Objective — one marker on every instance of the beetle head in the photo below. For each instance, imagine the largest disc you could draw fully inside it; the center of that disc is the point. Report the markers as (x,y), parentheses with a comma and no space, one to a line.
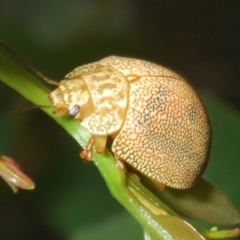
(72,98)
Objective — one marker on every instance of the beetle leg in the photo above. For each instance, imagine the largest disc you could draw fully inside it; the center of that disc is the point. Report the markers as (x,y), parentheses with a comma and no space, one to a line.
(87,152)
(160,186)
(100,143)
(121,163)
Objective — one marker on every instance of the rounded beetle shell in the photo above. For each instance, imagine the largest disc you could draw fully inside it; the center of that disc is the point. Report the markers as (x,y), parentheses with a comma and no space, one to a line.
(160,125)
(166,134)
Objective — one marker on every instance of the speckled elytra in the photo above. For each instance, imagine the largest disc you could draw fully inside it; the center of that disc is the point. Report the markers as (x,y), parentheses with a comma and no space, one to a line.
(159,124)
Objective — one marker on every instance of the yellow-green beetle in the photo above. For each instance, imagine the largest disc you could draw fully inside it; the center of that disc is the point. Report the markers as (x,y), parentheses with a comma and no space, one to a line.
(159,125)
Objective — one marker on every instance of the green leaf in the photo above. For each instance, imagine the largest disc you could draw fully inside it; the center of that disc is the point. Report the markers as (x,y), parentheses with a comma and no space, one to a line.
(180,229)
(203,202)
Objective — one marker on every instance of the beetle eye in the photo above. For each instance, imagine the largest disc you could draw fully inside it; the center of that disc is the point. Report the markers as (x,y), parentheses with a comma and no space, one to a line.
(74,111)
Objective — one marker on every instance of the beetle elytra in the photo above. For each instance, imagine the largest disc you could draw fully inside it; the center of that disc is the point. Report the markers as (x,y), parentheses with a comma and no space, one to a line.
(159,124)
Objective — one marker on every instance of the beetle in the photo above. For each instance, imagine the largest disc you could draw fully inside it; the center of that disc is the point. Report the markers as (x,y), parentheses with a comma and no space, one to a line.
(158,122)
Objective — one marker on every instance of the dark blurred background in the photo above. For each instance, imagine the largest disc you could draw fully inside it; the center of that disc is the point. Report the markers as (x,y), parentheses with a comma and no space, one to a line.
(198,39)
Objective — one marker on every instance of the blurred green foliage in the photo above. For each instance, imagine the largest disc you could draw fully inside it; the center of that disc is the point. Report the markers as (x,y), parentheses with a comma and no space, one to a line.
(71,200)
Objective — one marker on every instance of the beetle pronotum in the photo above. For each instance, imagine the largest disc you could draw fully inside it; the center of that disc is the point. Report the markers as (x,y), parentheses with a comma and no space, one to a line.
(159,124)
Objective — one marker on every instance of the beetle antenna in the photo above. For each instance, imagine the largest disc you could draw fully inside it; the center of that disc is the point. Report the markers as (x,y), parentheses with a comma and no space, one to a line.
(31,107)
(50,81)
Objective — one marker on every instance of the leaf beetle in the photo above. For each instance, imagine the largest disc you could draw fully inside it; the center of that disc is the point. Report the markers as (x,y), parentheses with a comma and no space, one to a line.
(158,122)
